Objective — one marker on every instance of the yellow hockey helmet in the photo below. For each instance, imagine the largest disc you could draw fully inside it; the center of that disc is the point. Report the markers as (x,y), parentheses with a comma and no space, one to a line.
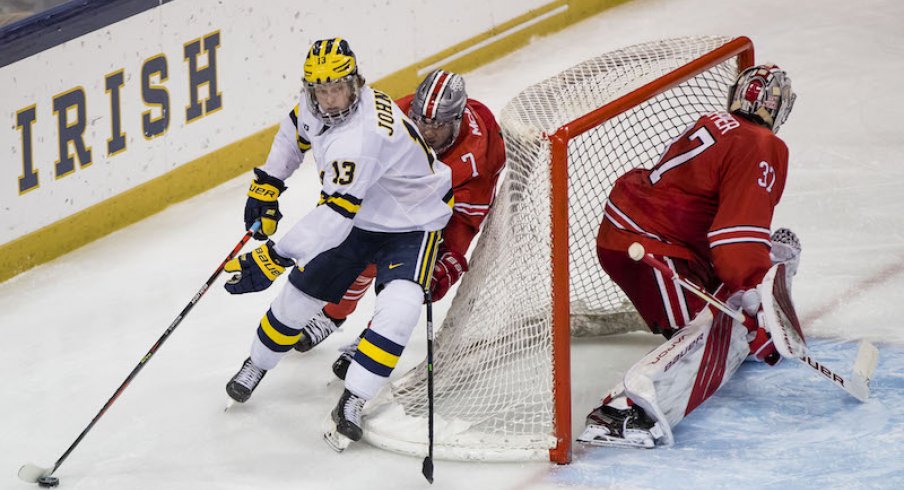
(331,80)
(329,60)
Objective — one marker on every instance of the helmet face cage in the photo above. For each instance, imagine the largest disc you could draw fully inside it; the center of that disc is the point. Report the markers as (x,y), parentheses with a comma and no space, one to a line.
(439,101)
(333,118)
(763,93)
(331,62)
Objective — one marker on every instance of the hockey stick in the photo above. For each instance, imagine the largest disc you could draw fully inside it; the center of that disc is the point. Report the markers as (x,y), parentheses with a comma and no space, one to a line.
(427,468)
(43,476)
(867,355)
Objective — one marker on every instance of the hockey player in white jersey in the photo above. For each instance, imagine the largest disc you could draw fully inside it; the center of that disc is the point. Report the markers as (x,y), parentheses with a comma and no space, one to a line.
(384,200)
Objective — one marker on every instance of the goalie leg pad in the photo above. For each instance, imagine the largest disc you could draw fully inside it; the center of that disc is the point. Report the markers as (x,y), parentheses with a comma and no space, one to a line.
(675,378)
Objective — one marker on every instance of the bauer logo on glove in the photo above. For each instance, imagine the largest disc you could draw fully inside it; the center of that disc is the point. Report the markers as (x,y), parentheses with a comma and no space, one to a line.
(256,270)
(263,204)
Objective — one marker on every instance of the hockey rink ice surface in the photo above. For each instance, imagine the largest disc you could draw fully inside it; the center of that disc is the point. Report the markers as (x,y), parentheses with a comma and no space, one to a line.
(75,327)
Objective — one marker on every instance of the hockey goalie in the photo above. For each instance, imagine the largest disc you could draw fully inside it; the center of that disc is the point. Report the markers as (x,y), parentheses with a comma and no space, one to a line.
(705,210)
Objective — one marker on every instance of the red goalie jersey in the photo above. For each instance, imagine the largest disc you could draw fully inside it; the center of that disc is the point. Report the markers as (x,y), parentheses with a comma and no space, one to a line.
(476,159)
(709,200)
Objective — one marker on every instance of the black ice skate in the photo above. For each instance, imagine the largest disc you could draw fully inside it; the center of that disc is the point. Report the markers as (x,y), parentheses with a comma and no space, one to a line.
(319,328)
(341,364)
(611,427)
(245,381)
(344,424)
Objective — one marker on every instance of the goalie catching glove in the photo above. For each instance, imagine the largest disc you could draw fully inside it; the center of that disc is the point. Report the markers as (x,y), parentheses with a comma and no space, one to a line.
(262,203)
(448,270)
(256,270)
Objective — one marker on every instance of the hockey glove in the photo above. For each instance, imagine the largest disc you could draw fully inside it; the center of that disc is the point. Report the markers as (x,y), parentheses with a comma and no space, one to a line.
(447,271)
(786,249)
(262,203)
(256,270)
(761,347)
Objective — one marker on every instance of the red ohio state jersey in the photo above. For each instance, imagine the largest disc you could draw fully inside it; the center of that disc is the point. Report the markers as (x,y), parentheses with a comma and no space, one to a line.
(710,199)
(476,159)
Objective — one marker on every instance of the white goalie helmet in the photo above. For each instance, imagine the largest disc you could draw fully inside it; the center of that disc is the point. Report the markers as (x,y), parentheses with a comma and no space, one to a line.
(762,93)
(438,107)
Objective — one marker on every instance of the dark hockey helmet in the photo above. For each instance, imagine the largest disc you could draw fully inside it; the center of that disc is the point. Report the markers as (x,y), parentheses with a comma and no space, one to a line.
(332,83)
(762,93)
(437,108)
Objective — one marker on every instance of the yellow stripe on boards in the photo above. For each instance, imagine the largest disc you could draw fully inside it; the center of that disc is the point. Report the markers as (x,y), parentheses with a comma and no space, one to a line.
(377,354)
(277,337)
(213,169)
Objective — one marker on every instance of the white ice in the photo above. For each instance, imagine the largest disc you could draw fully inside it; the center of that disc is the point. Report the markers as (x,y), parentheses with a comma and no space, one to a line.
(75,327)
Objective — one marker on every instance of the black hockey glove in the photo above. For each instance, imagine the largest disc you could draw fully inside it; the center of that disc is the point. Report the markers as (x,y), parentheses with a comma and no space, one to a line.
(256,270)
(262,203)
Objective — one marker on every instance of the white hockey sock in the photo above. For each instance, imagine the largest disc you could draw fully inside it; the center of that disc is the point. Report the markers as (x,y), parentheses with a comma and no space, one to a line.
(291,311)
(397,312)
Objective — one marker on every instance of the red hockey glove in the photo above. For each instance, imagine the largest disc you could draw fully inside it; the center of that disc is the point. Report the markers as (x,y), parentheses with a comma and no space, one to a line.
(447,271)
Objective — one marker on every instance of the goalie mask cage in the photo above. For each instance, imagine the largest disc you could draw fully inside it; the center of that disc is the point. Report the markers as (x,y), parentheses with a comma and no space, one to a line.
(502,356)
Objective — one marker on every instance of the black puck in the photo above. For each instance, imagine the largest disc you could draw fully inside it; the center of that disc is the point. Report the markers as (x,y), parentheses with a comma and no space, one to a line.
(48,481)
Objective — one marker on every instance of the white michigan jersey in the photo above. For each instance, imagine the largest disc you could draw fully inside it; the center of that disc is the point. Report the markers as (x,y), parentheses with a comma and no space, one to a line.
(377,172)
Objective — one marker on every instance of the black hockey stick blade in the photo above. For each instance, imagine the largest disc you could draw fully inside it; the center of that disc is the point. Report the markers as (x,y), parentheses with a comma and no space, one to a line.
(427,469)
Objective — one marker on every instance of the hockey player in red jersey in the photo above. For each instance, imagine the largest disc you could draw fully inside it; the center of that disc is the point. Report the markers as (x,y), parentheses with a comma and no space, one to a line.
(465,136)
(705,209)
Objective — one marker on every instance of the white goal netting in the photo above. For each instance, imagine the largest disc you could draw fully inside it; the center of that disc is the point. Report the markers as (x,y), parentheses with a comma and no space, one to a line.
(494,369)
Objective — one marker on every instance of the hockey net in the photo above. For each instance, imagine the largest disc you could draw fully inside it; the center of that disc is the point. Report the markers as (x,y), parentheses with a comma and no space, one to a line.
(502,364)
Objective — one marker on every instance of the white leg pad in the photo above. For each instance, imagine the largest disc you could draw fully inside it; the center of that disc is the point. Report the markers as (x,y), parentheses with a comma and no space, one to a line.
(672,380)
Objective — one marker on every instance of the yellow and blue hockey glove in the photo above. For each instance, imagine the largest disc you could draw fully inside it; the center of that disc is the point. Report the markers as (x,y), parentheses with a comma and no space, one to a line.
(256,270)
(262,203)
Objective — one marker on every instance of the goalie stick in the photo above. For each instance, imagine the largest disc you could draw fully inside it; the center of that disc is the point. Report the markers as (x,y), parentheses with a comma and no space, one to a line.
(32,473)
(789,340)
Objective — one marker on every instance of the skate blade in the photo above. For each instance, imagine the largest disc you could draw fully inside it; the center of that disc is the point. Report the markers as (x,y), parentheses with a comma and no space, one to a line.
(332,437)
(594,437)
(618,443)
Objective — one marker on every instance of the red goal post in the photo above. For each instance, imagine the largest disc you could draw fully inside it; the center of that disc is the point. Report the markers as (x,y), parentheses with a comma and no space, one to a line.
(502,361)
